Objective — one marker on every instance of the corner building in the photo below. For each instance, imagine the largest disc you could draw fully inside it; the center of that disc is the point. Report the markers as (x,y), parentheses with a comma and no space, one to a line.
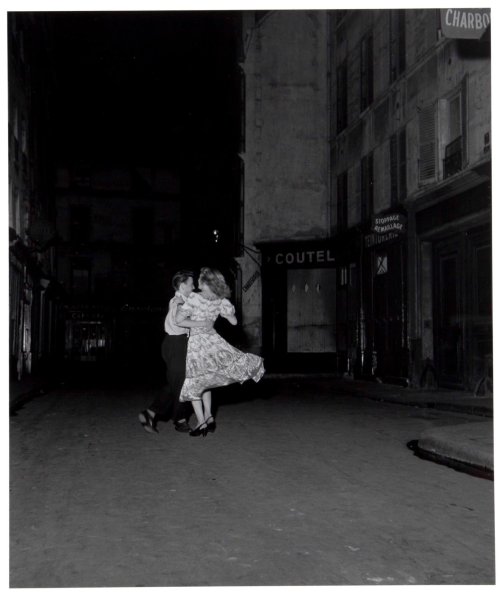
(287,267)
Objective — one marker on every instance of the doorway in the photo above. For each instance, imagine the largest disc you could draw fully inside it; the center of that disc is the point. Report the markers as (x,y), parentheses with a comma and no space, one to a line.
(463,339)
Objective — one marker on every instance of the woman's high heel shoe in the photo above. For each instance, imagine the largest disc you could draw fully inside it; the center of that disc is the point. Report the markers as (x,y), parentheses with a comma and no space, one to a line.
(199,431)
(212,425)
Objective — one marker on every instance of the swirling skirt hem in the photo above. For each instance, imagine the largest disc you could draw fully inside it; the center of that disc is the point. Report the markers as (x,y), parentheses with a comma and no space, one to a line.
(194,387)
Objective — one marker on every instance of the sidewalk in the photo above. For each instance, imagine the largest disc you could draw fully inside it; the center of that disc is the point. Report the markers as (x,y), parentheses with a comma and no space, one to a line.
(29,387)
(466,447)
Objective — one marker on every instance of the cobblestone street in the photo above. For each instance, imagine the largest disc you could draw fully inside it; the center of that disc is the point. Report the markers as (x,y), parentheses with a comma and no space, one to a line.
(297,486)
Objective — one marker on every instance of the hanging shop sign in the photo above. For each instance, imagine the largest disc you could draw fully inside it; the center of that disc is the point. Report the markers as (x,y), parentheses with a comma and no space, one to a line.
(465,23)
(391,223)
(375,239)
(251,281)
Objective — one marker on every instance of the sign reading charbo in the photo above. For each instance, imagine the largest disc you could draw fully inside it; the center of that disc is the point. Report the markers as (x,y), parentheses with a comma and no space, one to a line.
(394,222)
(464,23)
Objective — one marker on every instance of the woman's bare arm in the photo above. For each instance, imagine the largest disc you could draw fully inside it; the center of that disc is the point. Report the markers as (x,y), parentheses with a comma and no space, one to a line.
(182,320)
(232,319)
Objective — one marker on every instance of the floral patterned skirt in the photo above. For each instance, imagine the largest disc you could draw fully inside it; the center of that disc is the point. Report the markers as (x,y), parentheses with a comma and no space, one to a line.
(212,362)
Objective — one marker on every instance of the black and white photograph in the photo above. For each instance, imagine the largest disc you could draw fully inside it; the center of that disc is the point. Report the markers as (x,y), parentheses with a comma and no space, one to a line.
(250,289)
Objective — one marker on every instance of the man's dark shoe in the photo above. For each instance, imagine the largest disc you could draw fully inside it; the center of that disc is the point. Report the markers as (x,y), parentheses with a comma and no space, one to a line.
(148,422)
(182,426)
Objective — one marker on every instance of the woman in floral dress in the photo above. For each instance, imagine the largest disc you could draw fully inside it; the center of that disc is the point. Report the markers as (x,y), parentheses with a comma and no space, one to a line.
(211,361)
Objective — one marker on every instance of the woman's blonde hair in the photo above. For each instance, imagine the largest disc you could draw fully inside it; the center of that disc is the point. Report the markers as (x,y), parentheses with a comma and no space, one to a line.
(215,281)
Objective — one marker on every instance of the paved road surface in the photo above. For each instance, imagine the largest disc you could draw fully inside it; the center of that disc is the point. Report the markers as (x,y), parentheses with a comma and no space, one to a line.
(297,486)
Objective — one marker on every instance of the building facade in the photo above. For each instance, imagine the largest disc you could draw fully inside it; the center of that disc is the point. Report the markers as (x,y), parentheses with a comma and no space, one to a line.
(119,235)
(34,294)
(411,126)
(384,176)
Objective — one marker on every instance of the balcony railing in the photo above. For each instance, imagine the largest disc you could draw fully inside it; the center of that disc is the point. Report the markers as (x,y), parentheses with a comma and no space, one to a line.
(452,162)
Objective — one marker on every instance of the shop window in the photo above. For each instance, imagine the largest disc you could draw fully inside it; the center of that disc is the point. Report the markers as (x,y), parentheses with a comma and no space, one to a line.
(367,185)
(381,264)
(398,166)
(342,201)
(342,97)
(366,73)
(427,143)
(311,311)
(397,44)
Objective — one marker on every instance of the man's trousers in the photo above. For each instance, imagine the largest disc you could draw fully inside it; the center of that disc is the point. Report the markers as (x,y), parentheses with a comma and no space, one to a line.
(167,405)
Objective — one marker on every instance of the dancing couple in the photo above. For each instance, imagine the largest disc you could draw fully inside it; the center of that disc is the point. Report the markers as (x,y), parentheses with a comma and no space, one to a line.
(204,361)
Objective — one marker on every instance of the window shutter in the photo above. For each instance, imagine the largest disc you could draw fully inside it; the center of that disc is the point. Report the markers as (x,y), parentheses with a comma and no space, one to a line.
(465,119)
(402,164)
(367,186)
(342,201)
(342,96)
(427,148)
(366,72)
(394,169)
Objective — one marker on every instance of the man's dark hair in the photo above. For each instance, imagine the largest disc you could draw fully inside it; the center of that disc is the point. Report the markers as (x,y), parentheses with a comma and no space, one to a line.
(181,277)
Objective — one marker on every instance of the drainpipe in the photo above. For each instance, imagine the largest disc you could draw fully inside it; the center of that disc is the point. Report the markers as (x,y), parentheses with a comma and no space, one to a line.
(413,304)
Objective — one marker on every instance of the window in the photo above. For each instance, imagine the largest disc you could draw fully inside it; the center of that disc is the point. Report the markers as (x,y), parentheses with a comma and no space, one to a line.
(353,274)
(80,224)
(340,15)
(143,225)
(398,166)
(15,135)
(24,136)
(427,143)
(342,96)
(80,278)
(342,201)
(241,76)
(366,74)
(455,149)
(167,230)
(397,51)
(367,187)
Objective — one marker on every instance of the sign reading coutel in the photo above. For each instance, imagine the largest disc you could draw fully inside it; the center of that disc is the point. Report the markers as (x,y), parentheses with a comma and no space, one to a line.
(304,257)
